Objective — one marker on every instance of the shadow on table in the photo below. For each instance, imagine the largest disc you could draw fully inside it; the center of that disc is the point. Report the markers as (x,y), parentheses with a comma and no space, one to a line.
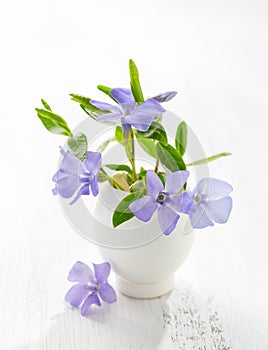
(186,316)
(127,324)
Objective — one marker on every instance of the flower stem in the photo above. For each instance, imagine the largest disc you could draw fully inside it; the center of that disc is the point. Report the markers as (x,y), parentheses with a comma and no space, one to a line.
(156,166)
(130,152)
(111,179)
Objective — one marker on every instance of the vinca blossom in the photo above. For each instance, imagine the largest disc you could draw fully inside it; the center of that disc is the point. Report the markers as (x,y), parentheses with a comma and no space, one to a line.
(211,202)
(89,286)
(75,177)
(129,113)
(168,200)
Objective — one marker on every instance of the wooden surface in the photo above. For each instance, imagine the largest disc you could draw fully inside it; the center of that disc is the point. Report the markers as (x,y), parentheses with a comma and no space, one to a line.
(196,315)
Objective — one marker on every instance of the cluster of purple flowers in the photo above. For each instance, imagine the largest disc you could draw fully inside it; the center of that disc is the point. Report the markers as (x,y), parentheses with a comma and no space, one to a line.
(209,201)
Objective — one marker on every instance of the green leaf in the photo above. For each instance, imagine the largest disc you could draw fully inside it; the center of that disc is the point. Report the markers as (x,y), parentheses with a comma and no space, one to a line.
(156,132)
(119,134)
(142,173)
(137,186)
(119,167)
(135,82)
(147,145)
(169,157)
(209,159)
(162,178)
(78,146)
(46,105)
(106,90)
(102,147)
(93,114)
(122,212)
(158,118)
(181,138)
(82,100)
(53,122)
(90,110)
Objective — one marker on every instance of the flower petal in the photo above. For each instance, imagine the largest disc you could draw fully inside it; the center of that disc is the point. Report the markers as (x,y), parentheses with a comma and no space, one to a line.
(199,218)
(213,188)
(84,190)
(81,273)
(67,185)
(76,294)
(94,186)
(122,95)
(144,114)
(68,175)
(144,208)
(165,96)
(90,300)
(181,203)
(109,116)
(102,271)
(154,184)
(220,209)
(175,181)
(107,293)
(167,219)
(93,162)
(70,165)
(105,106)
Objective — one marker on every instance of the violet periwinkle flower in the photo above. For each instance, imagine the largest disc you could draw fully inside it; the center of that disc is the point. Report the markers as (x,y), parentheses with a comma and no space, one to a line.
(210,203)
(77,177)
(168,200)
(129,113)
(90,286)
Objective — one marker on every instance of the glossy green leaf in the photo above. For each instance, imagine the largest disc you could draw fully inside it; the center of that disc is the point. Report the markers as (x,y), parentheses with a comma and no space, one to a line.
(156,132)
(106,90)
(162,178)
(137,186)
(135,82)
(158,118)
(142,173)
(181,138)
(119,134)
(82,100)
(90,110)
(46,105)
(119,167)
(169,157)
(147,145)
(122,212)
(53,122)
(209,159)
(93,114)
(78,146)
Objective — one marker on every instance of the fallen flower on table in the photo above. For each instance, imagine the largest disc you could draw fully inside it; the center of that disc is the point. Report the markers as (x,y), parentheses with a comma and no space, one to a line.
(89,287)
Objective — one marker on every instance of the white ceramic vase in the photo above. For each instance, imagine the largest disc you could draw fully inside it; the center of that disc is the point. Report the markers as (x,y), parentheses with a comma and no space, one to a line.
(143,259)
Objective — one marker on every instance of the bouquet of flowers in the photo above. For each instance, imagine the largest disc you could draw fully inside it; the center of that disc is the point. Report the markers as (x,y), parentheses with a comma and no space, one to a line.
(162,189)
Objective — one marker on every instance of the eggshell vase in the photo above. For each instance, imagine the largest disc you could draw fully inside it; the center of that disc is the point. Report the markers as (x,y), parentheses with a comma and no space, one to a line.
(143,259)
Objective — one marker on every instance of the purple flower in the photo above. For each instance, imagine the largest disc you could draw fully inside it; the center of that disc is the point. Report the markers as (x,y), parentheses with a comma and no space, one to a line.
(89,286)
(168,201)
(77,177)
(165,97)
(128,112)
(210,203)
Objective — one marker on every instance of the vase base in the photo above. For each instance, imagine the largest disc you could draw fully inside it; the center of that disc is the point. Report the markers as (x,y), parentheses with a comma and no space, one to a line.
(144,290)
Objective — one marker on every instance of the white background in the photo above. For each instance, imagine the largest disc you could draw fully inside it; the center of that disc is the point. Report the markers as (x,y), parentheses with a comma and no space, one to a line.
(214,53)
